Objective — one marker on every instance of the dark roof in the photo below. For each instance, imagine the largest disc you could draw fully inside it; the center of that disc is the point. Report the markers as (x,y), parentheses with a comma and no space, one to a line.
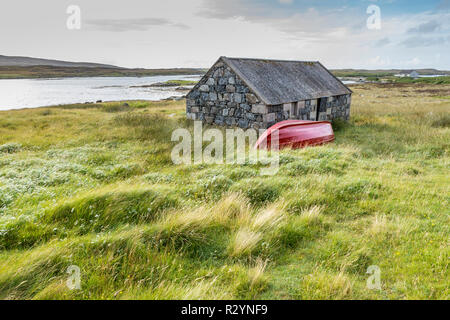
(279,81)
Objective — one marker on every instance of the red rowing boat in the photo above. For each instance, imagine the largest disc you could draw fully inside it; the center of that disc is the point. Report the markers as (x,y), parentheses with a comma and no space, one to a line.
(297,134)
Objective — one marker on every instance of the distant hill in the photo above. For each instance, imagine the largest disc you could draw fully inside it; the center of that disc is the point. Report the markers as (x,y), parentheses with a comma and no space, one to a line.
(10,61)
(31,68)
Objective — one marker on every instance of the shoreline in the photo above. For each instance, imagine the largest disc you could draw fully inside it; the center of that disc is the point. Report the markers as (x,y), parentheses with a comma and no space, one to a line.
(182,97)
(26,94)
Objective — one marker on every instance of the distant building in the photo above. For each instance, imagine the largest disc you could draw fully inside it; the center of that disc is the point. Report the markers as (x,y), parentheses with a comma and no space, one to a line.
(259,93)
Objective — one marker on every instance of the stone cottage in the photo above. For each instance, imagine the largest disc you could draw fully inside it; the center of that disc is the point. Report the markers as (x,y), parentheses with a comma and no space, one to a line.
(259,93)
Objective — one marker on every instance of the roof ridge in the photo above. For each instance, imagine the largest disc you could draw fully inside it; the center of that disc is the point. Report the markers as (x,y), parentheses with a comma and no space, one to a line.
(263,59)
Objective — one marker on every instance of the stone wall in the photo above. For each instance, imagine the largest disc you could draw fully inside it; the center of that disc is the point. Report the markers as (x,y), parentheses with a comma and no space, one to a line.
(328,108)
(222,98)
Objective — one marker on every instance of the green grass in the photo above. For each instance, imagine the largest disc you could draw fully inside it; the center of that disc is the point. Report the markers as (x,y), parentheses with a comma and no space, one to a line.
(94,186)
(181,82)
(444,80)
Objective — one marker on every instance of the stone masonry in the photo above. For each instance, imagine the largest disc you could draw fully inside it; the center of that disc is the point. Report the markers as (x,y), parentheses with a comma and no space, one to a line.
(222,98)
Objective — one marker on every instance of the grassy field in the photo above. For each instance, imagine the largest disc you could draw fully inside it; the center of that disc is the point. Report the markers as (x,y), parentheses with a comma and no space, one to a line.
(94,186)
(432,80)
(444,80)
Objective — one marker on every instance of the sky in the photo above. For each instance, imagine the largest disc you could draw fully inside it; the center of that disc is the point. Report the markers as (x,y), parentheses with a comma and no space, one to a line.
(406,34)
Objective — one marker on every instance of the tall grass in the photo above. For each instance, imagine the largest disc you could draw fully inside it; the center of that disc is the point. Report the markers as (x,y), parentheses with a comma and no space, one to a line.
(94,186)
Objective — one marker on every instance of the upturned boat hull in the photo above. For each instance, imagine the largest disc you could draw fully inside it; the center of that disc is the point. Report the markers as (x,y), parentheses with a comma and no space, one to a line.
(297,134)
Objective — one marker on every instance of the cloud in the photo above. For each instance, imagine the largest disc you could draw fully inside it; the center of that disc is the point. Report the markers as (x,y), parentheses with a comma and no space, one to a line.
(382,42)
(444,5)
(412,62)
(420,41)
(427,27)
(139,24)
(290,17)
(379,62)
(247,9)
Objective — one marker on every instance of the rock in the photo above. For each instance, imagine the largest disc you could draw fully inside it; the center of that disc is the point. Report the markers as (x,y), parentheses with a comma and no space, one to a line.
(219,120)
(245,106)
(213,96)
(259,108)
(243,123)
(204,88)
(218,73)
(194,94)
(237,97)
(225,112)
(230,121)
(250,116)
(251,98)
(183,89)
(231,80)
(211,82)
(230,88)
(241,89)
